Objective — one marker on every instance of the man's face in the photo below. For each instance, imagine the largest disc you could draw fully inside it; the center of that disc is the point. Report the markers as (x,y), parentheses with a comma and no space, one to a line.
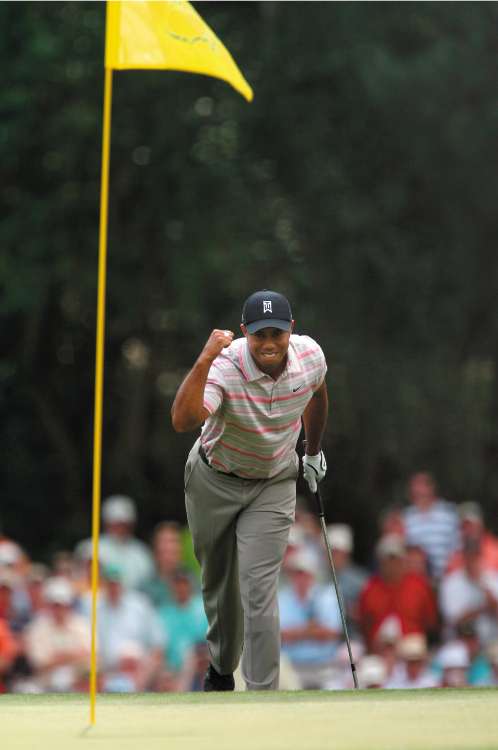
(302,581)
(168,550)
(268,348)
(414,668)
(59,612)
(472,564)
(119,529)
(114,590)
(391,567)
(421,489)
(182,590)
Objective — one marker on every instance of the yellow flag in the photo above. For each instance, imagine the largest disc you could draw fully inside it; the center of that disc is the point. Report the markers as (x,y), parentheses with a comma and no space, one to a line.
(168,35)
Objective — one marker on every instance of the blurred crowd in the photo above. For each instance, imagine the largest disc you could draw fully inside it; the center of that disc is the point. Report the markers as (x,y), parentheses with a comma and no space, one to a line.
(423,613)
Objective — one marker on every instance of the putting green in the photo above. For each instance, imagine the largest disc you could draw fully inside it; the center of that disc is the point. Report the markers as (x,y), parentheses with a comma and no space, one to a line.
(366,720)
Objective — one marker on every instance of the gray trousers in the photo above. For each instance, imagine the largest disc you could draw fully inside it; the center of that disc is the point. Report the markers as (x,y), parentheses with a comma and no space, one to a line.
(240,529)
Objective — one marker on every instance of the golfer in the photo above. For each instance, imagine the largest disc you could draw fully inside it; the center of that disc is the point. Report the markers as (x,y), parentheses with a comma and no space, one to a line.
(250,395)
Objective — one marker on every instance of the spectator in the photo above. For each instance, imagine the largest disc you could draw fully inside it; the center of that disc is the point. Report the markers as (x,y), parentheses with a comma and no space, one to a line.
(394,592)
(413,671)
(392,522)
(416,560)
(118,546)
(310,622)
(126,616)
(470,594)
(310,531)
(493,660)
(12,556)
(183,620)
(8,653)
(453,660)
(371,672)
(125,676)
(472,529)
(479,668)
(192,677)
(58,641)
(351,577)
(63,565)
(431,523)
(386,644)
(167,547)
(35,580)
(343,678)
(295,544)
(14,601)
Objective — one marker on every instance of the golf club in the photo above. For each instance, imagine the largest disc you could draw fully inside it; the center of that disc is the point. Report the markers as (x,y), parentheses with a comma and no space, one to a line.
(321,514)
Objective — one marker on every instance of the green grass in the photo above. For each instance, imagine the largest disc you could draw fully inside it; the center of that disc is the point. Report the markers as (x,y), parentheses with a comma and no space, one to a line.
(364,720)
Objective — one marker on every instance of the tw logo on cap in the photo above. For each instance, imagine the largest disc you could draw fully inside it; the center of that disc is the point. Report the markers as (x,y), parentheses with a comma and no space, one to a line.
(267,306)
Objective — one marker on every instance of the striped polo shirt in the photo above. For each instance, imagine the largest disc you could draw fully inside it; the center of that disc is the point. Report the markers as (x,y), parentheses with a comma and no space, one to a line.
(436,530)
(255,421)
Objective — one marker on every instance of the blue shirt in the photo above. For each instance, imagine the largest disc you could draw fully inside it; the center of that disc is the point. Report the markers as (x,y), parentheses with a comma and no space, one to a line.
(185,626)
(321,606)
(436,530)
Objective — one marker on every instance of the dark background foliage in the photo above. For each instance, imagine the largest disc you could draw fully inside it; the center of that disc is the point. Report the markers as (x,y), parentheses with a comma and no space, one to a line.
(362,182)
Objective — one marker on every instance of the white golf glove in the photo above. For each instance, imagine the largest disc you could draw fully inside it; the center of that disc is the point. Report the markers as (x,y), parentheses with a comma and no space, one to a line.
(314,469)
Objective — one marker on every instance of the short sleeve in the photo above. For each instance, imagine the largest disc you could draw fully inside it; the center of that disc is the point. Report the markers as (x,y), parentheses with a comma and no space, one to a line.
(313,361)
(321,367)
(213,391)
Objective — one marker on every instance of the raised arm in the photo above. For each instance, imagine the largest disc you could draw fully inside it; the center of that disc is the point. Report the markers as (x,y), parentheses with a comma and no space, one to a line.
(188,411)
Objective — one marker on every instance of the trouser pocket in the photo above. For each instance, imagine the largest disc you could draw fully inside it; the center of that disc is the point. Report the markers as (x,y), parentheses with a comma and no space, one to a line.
(193,457)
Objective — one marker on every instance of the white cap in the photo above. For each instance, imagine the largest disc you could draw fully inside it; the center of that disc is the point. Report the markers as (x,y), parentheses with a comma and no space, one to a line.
(390,545)
(58,590)
(302,560)
(340,537)
(119,509)
(372,671)
(413,647)
(10,553)
(454,655)
(390,630)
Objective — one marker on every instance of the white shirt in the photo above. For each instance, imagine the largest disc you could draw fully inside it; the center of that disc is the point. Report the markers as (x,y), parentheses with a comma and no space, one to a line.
(460,594)
(132,620)
(131,556)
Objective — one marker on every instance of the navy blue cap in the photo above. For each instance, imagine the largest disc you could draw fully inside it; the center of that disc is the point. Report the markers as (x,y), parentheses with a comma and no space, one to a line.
(266,309)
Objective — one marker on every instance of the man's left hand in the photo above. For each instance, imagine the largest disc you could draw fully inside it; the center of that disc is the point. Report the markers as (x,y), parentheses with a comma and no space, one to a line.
(314,470)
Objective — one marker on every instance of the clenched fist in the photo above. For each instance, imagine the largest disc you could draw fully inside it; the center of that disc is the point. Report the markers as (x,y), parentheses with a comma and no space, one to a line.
(217,341)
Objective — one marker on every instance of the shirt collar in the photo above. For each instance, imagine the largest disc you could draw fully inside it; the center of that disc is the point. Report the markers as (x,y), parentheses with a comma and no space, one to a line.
(252,372)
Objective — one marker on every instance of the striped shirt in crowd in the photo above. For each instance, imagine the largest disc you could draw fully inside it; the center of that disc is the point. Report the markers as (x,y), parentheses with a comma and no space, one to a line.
(255,421)
(436,530)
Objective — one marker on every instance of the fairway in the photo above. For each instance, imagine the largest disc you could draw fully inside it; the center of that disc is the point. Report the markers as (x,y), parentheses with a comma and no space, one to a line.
(367,720)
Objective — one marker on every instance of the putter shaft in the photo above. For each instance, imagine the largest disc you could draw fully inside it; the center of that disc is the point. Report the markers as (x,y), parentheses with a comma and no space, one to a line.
(321,514)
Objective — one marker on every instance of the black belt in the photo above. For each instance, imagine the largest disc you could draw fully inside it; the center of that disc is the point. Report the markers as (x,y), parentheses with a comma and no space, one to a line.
(203,456)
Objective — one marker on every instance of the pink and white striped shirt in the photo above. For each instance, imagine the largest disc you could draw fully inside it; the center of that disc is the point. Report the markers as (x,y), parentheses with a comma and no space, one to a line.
(255,421)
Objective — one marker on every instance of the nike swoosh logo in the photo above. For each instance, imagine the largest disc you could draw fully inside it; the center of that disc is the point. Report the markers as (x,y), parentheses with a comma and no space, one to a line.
(297,387)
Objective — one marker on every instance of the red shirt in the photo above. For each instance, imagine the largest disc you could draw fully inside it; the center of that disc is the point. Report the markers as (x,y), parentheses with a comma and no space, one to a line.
(8,647)
(411,599)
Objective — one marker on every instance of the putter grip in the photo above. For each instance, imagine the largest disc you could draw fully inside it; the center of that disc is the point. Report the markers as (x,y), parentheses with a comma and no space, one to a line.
(319,502)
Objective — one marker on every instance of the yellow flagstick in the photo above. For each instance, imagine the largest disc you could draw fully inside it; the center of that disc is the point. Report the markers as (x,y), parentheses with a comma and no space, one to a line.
(99,378)
(157,35)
